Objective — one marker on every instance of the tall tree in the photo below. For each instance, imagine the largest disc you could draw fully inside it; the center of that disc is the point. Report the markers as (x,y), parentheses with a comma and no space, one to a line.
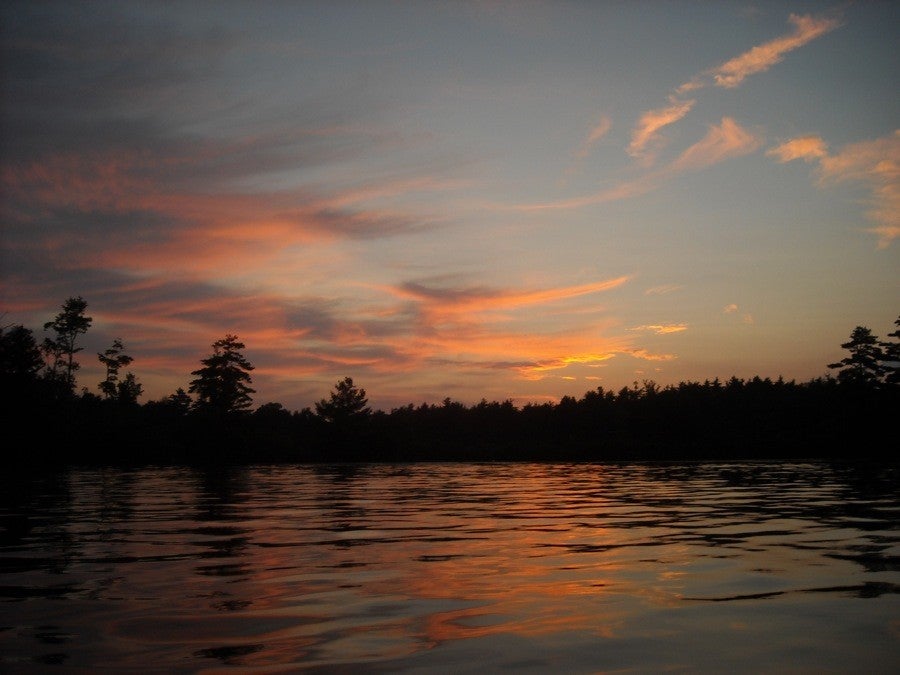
(67,326)
(222,385)
(114,358)
(863,366)
(346,403)
(129,390)
(20,357)
(180,400)
(891,356)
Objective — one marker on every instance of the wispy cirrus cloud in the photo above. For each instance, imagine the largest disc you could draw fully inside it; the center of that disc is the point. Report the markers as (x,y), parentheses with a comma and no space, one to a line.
(646,137)
(473,300)
(807,148)
(874,163)
(598,132)
(647,355)
(467,326)
(662,329)
(722,141)
(663,290)
(762,57)
(119,210)
(624,190)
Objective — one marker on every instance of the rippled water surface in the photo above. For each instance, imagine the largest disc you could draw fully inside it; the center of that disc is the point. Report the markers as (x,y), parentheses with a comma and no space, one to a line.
(453,568)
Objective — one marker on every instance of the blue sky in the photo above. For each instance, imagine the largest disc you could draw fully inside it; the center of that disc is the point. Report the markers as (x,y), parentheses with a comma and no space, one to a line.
(468,199)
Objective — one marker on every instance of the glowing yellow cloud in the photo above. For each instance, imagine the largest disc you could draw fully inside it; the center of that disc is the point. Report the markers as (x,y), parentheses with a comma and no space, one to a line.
(649,356)
(537,370)
(662,329)
(460,326)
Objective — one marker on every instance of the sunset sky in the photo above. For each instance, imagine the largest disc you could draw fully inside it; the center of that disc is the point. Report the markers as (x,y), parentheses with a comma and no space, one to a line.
(453,199)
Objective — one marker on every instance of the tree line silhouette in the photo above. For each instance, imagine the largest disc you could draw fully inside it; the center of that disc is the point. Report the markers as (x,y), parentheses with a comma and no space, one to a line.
(848,416)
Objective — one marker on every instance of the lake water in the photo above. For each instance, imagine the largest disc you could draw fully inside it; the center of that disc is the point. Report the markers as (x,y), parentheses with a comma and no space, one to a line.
(453,568)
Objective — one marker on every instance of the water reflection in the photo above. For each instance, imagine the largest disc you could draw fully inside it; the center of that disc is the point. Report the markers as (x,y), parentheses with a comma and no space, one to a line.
(454,567)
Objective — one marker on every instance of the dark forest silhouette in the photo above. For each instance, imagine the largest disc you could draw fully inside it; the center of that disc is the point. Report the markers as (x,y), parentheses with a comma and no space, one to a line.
(850,416)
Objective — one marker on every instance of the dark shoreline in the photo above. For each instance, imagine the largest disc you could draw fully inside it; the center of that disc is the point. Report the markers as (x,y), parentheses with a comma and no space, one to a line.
(758,420)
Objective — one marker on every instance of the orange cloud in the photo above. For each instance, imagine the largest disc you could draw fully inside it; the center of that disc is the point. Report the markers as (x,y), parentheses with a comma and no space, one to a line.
(807,148)
(721,142)
(649,356)
(622,191)
(474,300)
(645,133)
(663,290)
(762,57)
(537,370)
(877,160)
(458,326)
(599,131)
(662,329)
(875,163)
(287,344)
(121,212)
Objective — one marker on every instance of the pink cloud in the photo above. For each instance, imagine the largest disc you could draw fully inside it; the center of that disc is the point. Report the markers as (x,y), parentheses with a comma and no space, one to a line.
(118,212)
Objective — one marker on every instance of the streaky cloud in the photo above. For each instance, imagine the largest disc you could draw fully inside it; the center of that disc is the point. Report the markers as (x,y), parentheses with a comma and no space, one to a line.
(721,142)
(662,329)
(874,163)
(762,57)
(599,131)
(647,355)
(877,160)
(463,326)
(646,132)
(624,190)
(663,290)
(486,299)
(807,148)
(537,371)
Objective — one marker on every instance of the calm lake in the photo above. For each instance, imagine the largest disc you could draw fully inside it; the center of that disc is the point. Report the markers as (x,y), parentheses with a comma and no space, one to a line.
(453,568)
